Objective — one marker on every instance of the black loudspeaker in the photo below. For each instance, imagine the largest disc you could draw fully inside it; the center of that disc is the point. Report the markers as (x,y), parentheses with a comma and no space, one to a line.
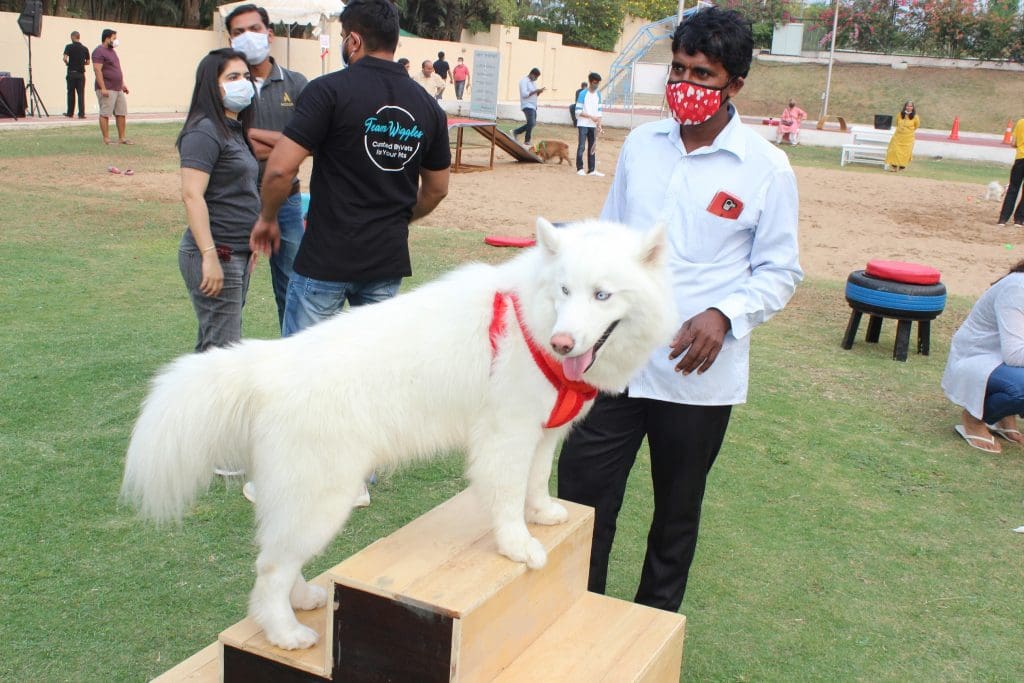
(31,18)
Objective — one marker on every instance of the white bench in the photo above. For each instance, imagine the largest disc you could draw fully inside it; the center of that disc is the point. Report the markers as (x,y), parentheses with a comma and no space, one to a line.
(868,147)
(872,137)
(863,154)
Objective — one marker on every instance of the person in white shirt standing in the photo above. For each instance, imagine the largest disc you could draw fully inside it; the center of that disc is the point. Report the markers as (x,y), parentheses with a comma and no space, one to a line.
(528,92)
(588,125)
(729,200)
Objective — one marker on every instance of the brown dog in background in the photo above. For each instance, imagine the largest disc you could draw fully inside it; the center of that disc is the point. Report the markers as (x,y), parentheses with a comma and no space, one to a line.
(548,149)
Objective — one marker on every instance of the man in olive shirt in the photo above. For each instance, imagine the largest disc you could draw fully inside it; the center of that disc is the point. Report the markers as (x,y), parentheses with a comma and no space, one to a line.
(248,27)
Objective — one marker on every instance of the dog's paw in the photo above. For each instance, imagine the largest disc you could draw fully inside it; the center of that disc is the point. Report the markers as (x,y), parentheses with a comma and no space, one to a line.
(295,637)
(519,546)
(306,596)
(549,513)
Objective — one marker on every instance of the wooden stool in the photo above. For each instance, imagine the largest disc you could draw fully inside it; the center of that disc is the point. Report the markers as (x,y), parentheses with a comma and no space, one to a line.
(906,292)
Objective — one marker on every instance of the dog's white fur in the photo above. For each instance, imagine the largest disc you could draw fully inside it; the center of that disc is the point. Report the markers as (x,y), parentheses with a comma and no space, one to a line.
(994,191)
(309,417)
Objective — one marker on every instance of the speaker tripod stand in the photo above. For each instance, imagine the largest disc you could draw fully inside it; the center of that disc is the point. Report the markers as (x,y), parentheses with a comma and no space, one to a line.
(35,102)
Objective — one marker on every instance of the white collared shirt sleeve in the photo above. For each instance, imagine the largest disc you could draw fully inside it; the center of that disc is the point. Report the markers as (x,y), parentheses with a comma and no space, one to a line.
(525,88)
(775,268)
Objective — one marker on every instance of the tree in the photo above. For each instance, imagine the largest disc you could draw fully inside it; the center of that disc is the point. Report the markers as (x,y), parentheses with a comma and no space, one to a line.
(445,19)
(595,24)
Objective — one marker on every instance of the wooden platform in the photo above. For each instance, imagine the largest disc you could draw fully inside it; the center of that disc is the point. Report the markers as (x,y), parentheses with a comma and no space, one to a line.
(436,602)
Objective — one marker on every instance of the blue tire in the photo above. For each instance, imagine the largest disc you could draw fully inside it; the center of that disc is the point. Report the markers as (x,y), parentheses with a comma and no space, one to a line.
(894,299)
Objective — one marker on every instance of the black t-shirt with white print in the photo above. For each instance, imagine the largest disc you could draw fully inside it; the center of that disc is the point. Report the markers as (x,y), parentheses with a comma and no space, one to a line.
(370,128)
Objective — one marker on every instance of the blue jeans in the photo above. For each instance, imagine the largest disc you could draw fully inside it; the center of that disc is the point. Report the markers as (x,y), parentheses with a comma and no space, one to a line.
(531,121)
(219,317)
(310,301)
(588,138)
(1004,393)
(289,219)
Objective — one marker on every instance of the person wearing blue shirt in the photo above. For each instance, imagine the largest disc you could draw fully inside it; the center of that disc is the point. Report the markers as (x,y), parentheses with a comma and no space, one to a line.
(528,92)
(729,200)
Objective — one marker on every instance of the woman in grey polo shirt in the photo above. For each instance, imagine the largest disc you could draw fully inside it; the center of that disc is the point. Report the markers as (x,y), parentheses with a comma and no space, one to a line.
(219,188)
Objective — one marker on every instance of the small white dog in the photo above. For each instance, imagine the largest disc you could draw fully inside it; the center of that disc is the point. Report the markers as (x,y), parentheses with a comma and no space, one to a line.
(994,191)
(496,360)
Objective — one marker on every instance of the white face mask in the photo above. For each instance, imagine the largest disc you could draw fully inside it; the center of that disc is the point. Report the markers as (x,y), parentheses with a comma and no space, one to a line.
(255,46)
(115,42)
(237,94)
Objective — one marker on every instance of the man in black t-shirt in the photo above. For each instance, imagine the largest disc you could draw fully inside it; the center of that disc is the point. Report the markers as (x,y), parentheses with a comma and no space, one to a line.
(76,57)
(380,160)
(443,69)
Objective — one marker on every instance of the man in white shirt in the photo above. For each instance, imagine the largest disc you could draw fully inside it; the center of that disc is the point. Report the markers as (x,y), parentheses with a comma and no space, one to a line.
(528,92)
(729,199)
(430,81)
(588,125)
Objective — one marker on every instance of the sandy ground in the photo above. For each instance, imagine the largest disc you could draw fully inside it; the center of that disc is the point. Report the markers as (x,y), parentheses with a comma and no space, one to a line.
(846,217)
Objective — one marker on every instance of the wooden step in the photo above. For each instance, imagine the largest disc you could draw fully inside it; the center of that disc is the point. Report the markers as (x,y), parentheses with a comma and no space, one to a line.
(441,577)
(604,639)
(247,652)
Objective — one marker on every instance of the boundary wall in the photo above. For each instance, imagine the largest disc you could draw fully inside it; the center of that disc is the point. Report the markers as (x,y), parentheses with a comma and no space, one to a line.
(159,62)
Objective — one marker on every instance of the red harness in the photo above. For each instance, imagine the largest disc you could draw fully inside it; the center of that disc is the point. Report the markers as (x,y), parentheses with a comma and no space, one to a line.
(571,394)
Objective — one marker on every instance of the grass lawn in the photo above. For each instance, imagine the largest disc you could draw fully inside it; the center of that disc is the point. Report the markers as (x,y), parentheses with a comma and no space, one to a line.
(847,535)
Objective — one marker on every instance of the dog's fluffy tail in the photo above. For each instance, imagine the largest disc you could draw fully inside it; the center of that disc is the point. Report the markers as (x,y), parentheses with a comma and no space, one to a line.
(194,419)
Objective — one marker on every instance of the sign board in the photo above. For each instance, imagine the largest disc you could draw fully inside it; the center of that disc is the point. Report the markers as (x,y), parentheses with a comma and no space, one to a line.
(788,39)
(650,79)
(483,101)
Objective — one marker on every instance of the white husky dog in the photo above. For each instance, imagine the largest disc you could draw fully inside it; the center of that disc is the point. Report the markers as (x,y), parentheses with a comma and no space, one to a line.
(447,366)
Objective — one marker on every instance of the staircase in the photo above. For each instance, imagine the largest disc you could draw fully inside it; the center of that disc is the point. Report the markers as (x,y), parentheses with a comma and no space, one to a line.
(434,601)
(618,88)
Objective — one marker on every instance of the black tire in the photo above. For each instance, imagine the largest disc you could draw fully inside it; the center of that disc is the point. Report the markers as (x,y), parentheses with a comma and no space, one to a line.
(894,299)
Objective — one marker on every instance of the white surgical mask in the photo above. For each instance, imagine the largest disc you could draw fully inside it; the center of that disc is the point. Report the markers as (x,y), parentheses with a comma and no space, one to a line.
(237,94)
(255,46)
(115,42)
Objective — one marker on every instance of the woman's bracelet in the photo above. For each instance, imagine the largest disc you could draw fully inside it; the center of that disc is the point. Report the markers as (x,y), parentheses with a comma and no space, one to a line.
(209,248)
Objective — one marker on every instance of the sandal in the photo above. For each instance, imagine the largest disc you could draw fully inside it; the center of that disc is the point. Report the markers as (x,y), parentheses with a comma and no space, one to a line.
(126,141)
(974,440)
(129,172)
(1005,433)
(114,169)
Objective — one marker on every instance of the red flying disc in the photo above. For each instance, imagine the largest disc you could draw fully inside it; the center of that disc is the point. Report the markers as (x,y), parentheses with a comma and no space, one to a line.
(499,241)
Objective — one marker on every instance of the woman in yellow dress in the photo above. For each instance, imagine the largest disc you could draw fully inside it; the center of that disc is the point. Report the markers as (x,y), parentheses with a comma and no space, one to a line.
(901,147)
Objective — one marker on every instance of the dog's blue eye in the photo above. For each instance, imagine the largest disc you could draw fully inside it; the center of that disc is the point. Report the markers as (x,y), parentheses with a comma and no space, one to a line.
(565,290)
(602,295)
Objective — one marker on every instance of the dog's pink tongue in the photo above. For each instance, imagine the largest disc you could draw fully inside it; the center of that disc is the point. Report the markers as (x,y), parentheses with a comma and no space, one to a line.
(574,367)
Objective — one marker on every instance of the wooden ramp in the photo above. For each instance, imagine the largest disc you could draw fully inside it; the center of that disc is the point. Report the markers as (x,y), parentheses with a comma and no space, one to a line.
(497,137)
(435,602)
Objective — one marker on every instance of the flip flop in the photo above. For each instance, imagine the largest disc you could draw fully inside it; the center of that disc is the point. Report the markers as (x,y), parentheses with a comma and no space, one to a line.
(114,169)
(126,142)
(973,440)
(129,172)
(1005,433)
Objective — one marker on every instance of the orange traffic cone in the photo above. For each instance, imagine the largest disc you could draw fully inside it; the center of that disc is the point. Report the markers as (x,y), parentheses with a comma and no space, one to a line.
(955,133)
(1008,135)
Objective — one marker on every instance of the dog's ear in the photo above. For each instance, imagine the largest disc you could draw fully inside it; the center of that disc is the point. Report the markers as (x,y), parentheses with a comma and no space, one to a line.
(547,236)
(653,245)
